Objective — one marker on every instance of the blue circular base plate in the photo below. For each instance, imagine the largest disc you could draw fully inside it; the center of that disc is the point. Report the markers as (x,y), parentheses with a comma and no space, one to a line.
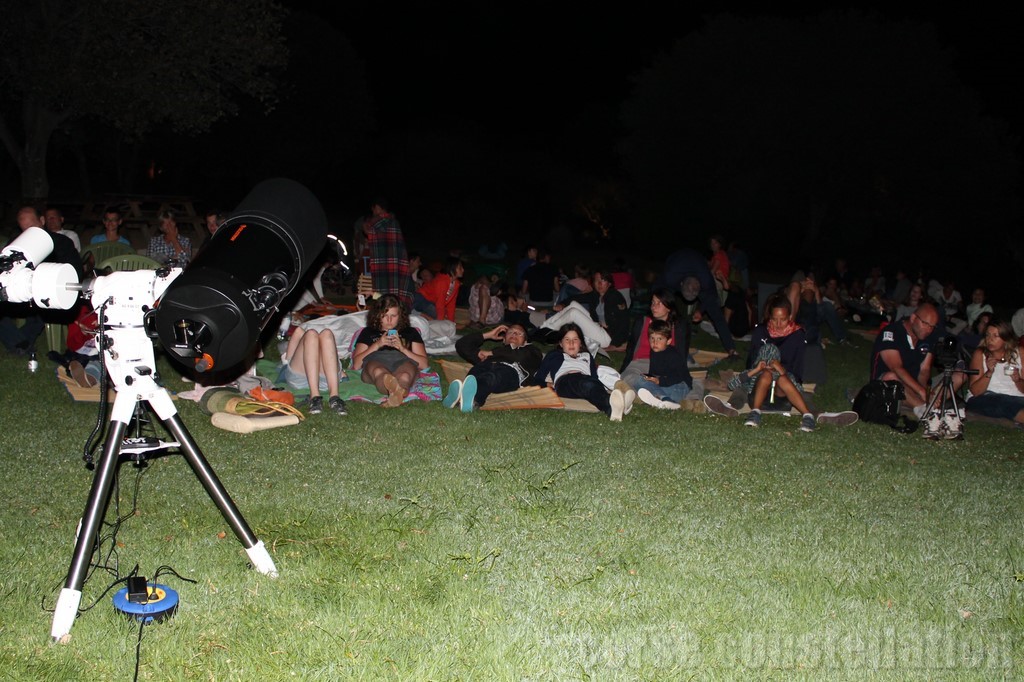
(163,601)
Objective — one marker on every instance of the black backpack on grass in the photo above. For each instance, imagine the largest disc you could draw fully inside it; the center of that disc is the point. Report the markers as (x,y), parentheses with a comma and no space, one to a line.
(879,403)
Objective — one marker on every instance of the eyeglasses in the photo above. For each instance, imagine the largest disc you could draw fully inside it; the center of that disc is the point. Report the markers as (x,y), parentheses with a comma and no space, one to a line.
(926,323)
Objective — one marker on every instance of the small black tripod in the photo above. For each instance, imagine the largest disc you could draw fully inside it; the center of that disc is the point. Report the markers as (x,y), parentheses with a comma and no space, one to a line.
(939,421)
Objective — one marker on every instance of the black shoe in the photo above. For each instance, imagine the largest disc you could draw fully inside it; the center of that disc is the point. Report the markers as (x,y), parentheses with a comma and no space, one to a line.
(316,405)
(337,404)
(61,360)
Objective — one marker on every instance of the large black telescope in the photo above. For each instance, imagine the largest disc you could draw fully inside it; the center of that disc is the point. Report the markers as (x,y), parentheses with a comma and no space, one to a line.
(213,313)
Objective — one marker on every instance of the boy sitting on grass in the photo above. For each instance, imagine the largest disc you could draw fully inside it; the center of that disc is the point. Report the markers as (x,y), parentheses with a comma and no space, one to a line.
(668,381)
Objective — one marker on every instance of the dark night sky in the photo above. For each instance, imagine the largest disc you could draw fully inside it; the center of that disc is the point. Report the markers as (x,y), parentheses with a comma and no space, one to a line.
(532,69)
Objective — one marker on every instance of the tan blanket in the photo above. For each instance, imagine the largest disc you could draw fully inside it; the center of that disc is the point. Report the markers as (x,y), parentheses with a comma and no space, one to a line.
(525,398)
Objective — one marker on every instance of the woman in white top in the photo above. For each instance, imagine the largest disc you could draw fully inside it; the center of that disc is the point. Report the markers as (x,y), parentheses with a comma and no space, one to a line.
(998,389)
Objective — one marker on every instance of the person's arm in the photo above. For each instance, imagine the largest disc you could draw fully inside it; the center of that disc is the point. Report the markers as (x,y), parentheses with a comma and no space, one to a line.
(892,360)
(417,352)
(979,384)
(449,305)
(414,348)
(925,374)
(433,292)
(364,346)
(468,347)
(548,367)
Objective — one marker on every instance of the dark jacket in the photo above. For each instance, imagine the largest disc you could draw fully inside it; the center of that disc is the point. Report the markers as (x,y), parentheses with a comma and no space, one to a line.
(689,263)
(680,333)
(616,312)
(527,356)
(670,367)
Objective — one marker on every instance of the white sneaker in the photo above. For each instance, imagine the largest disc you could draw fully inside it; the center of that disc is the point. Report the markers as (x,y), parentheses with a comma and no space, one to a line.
(618,403)
(647,398)
(628,397)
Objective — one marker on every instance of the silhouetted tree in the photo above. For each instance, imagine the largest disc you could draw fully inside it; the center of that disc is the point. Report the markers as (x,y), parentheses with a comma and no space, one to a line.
(131,64)
(834,132)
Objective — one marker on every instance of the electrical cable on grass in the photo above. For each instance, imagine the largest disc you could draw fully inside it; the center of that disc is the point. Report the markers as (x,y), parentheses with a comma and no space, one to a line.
(101,415)
(110,539)
(138,650)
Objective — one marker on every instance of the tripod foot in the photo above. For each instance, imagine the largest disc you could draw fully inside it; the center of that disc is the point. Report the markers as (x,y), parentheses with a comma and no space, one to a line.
(261,561)
(65,612)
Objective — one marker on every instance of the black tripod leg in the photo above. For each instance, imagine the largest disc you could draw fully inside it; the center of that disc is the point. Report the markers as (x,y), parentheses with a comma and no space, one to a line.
(204,472)
(95,509)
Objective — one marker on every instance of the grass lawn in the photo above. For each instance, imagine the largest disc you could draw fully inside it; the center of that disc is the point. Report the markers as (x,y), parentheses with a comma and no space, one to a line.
(421,543)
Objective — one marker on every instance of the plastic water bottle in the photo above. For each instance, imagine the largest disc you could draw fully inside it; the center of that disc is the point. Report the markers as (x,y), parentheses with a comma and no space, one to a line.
(33,364)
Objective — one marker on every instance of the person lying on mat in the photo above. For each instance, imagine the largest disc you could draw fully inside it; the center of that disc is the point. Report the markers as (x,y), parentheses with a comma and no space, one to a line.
(572,372)
(500,369)
(389,350)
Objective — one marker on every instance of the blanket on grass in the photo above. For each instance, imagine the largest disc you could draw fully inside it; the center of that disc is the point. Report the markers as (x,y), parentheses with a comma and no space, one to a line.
(427,386)
(525,398)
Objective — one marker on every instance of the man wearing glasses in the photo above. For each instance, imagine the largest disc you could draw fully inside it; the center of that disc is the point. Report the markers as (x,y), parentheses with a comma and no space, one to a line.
(903,352)
(510,362)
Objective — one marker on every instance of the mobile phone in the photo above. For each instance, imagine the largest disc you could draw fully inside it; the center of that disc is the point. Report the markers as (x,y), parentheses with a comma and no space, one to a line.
(392,332)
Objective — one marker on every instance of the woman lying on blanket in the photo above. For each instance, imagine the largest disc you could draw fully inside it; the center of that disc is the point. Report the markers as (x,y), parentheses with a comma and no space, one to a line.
(389,350)
(572,372)
(311,361)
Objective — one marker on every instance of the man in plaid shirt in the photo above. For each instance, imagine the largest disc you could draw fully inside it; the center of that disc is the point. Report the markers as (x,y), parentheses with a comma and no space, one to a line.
(389,261)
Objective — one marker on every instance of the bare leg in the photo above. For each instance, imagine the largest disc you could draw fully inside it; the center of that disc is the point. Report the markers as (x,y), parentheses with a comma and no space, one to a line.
(374,373)
(790,390)
(329,360)
(761,386)
(297,354)
(385,382)
(294,343)
(311,362)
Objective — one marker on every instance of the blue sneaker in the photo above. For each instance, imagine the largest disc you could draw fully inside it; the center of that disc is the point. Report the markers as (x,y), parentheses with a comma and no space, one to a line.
(468,393)
(454,392)
(807,423)
(753,419)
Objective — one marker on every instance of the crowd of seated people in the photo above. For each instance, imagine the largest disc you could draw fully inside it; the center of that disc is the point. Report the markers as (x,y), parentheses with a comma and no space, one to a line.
(650,317)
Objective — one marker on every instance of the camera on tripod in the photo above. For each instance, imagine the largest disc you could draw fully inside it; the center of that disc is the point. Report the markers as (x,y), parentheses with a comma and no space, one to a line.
(947,353)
